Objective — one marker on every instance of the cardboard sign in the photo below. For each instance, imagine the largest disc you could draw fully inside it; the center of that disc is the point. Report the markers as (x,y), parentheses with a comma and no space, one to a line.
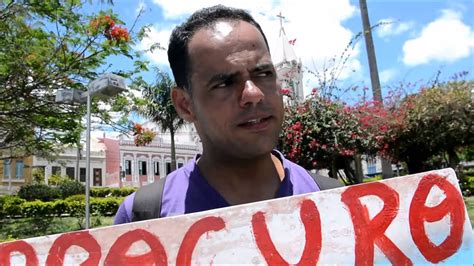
(417,219)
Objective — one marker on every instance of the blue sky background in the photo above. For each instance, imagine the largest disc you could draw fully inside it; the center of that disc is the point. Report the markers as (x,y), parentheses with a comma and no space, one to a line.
(424,36)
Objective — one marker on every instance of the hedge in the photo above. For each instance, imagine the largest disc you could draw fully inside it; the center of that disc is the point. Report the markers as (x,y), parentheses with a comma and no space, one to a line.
(32,192)
(15,207)
(102,192)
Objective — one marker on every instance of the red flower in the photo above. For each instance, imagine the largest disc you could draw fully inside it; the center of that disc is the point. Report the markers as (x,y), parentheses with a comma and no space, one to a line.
(120,34)
(313,144)
(285,91)
(296,126)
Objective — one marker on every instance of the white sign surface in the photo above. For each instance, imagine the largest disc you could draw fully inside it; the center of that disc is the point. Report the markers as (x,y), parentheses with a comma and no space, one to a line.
(417,219)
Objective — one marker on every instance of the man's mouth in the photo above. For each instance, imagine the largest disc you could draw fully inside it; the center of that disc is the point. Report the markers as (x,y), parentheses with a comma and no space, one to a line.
(256,123)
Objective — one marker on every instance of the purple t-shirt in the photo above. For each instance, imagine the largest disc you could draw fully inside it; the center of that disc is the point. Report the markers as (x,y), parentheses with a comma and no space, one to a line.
(186,191)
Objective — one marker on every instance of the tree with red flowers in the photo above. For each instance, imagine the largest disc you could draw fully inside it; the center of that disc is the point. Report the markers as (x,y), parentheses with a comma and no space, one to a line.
(142,136)
(323,134)
(46,46)
(437,123)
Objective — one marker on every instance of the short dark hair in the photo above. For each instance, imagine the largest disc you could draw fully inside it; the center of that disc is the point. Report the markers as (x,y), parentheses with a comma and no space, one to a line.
(178,55)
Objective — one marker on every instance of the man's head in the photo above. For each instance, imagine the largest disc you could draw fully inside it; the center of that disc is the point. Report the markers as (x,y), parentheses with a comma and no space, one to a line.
(178,56)
(227,84)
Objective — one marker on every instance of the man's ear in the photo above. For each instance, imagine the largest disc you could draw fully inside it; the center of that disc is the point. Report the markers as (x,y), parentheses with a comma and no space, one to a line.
(182,103)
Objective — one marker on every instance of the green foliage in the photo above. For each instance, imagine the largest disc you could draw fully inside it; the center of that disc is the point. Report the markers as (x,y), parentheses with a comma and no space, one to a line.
(102,192)
(323,134)
(37,208)
(156,104)
(372,179)
(105,206)
(38,191)
(56,179)
(21,228)
(466,182)
(438,122)
(10,206)
(75,198)
(71,187)
(46,46)
(38,176)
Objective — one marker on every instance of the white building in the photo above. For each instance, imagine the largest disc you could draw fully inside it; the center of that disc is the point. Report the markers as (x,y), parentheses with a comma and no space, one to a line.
(65,164)
(288,66)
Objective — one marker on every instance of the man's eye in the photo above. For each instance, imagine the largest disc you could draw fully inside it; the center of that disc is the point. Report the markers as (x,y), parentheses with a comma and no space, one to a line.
(265,74)
(223,84)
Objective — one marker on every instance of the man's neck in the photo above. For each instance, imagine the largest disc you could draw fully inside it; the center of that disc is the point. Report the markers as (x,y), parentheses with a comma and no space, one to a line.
(241,181)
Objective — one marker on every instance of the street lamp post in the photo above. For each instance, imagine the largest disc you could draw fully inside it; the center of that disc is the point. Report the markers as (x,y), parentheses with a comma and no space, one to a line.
(106,86)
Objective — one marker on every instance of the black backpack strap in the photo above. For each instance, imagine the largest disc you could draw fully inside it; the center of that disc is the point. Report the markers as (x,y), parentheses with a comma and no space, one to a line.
(325,182)
(147,201)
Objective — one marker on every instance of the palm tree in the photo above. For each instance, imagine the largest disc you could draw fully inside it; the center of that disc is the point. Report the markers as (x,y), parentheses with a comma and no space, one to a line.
(157,106)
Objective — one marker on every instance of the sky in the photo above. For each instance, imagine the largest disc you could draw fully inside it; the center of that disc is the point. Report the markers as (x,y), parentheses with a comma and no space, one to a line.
(414,40)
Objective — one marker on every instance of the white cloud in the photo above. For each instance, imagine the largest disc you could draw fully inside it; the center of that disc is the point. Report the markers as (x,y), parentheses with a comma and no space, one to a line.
(155,36)
(391,27)
(141,5)
(387,75)
(445,39)
(317,26)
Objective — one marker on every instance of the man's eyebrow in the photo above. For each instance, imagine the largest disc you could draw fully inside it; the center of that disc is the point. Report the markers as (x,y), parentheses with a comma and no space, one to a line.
(262,66)
(221,77)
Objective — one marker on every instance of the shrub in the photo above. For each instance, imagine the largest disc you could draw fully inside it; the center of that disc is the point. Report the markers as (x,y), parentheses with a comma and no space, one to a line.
(56,180)
(103,192)
(37,208)
(123,192)
(38,191)
(76,208)
(76,198)
(10,206)
(71,187)
(38,176)
(105,206)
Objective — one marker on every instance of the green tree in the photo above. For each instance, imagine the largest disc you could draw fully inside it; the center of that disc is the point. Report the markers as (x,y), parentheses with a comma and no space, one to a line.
(157,106)
(439,122)
(46,46)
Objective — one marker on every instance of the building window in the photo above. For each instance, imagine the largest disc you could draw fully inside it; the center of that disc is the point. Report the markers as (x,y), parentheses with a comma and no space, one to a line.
(168,168)
(70,172)
(156,168)
(180,165)
(128,167)
(142,169)
(82,174)
(56,170)
(19,169)
(6,168)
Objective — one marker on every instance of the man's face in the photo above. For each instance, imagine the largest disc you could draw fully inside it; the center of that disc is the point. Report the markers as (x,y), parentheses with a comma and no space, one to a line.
(236,101)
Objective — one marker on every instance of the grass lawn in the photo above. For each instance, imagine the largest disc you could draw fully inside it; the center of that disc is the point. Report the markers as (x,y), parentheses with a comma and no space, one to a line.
(470,208)
(11,229)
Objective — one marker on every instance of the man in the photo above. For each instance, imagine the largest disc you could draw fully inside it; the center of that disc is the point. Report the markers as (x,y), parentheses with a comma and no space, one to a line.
(227,87)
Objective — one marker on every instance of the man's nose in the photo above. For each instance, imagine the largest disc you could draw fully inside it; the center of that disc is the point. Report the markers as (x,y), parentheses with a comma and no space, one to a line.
(251,95)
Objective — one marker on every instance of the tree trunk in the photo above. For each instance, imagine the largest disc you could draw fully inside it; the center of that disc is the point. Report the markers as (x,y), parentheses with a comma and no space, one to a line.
(359,175)
(173,150)
(453,158)
(374,74)
(414,165)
